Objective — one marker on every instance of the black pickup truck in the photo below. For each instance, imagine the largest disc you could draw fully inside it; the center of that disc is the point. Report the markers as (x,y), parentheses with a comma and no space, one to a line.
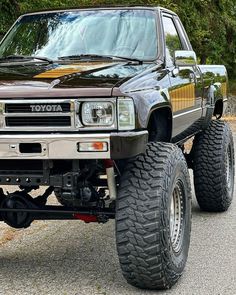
(96,105)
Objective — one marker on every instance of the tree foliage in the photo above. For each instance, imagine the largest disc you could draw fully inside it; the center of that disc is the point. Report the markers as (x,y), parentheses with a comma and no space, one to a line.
(9,10)
(210,24)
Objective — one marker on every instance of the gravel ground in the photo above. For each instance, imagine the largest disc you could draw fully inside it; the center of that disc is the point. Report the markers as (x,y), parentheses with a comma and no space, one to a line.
(72,258)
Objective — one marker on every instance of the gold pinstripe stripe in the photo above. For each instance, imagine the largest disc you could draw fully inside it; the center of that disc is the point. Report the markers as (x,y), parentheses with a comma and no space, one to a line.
(70,69)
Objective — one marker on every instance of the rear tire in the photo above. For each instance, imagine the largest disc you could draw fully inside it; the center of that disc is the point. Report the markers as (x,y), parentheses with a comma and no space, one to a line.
(153,218)
(213,166)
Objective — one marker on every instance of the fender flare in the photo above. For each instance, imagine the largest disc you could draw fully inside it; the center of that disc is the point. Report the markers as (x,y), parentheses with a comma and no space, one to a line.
(214,94)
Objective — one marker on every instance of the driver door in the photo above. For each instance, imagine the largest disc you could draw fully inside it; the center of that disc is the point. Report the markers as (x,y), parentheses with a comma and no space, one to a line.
(185,81)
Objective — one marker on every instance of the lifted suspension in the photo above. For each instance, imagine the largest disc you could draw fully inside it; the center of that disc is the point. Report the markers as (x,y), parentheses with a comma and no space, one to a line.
(19,210)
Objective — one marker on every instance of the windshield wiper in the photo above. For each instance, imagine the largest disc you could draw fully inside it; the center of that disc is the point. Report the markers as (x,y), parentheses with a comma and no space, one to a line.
(24,57)
(85,56)
(129,59)
(97,56)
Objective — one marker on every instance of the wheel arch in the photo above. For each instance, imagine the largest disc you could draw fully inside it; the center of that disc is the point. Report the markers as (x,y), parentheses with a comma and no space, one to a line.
(216,99)
(160,123)
(214,105)
(219,108)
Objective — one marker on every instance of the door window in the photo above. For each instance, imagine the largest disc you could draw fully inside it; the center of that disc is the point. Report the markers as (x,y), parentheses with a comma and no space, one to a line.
(172,39)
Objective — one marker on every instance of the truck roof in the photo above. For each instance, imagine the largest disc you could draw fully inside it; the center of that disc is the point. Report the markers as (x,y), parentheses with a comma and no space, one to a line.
(107,7)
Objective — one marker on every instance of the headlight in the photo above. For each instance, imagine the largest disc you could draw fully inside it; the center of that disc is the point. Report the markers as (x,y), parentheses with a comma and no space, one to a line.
(97,113)
(126,114)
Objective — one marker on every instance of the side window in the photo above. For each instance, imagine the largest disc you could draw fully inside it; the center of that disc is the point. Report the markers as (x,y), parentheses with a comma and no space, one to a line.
(173,42)
(185,42)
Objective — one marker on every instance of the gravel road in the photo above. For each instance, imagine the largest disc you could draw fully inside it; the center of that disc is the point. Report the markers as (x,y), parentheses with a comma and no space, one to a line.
(72,258)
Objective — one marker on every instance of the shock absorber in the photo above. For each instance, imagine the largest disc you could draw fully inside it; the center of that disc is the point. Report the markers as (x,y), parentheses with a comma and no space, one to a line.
(110,171)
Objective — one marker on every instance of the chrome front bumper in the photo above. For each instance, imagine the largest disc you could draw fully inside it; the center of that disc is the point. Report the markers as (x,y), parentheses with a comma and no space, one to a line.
(65,146)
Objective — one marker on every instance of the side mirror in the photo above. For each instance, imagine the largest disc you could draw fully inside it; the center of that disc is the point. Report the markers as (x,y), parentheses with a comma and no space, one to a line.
(185,58)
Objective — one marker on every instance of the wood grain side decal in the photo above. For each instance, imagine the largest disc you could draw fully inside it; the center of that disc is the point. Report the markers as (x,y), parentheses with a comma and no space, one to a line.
(183,97)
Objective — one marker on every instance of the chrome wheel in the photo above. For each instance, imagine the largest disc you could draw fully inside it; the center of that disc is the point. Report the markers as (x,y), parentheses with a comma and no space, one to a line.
(177,217)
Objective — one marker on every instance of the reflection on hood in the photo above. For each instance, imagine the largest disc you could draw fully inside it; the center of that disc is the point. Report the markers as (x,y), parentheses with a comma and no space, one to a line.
(76,75)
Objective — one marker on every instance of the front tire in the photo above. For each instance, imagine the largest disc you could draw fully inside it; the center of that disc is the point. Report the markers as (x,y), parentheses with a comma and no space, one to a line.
(153,218)
(213,167)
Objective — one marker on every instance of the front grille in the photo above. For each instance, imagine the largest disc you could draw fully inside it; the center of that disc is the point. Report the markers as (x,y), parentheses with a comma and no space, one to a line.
(54,121)
(30,107)
(44,114)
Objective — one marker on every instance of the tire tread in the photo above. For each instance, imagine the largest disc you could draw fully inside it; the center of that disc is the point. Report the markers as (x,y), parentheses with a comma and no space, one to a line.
(209,178)
(141,220)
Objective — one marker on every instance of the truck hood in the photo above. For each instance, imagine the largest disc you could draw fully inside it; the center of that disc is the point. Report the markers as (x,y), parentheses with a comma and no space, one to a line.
(24,80)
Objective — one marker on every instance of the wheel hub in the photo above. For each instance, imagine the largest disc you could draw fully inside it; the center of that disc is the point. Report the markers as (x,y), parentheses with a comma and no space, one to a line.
(176,216)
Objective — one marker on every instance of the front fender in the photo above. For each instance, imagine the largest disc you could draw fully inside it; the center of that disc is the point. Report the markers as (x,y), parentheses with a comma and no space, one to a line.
(146,103)
(149,92)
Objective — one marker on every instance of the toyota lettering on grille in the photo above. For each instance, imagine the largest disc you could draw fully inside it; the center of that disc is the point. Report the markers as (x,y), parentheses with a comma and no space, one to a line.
(41,108)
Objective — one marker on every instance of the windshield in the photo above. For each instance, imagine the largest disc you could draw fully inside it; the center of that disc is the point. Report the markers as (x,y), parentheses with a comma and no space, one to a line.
(126,33)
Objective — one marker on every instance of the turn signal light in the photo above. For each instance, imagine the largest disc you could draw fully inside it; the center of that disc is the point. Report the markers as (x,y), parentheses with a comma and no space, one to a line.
(97,146)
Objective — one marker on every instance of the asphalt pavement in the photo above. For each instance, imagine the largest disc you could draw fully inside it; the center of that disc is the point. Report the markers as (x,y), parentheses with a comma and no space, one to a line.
(73,258)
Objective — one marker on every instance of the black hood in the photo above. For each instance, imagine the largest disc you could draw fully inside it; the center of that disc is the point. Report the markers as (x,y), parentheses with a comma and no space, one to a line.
(36,78)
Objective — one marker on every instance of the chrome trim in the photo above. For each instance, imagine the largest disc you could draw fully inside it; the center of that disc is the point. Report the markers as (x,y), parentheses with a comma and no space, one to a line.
(98,125)
(46,114)
(60,146)
(76,124)
(129,134)
(113,100)
(186,113)
(54,146)
(177,216)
